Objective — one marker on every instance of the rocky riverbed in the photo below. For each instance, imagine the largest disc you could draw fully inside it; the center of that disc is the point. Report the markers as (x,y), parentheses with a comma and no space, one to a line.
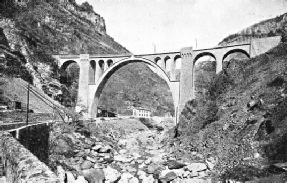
(122,151)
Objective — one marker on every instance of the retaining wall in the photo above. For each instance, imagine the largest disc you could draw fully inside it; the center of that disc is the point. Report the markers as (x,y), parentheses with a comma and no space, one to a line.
(20,165)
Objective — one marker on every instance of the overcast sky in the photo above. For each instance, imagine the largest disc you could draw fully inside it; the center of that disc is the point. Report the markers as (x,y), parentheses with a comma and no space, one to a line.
(173,24)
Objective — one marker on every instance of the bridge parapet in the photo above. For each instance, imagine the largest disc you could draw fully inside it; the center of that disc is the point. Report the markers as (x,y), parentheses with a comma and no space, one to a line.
(69,56)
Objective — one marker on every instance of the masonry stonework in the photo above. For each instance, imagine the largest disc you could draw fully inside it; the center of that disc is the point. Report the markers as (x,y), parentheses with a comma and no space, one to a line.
(20,165)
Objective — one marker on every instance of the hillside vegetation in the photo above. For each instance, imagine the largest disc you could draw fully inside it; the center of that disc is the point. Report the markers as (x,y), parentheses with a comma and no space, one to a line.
(135,85)
(33,33)
(243,122)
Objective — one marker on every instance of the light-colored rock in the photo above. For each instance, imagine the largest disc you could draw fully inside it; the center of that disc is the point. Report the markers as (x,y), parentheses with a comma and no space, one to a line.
(70,177)
(91,159)
(209,164)
(94,175)
(148,161)
(86,165)
(81,179)
(134,180)
(141,166)
(196,167)
(193,153)
(105,149)
(123,158)
(180,172)
(3,180)
(97,147)
(152,168)
(111,175)
(148,179)
(123,151)
(195,180)
(141,174)
(193,174)
(61,174)
(156,159)
(167,176)
(125,177)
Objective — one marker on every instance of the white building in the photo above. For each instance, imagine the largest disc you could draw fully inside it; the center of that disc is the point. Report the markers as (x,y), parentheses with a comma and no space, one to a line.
(141,113)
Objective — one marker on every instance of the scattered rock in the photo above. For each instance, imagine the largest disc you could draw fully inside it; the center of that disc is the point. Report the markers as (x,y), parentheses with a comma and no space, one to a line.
(61,174)
(152,168)
(148,179)
(125,177)
(111,175)
(86,165)
(94,175)
(81,179)
(196,167)
(70,177)
(167,175)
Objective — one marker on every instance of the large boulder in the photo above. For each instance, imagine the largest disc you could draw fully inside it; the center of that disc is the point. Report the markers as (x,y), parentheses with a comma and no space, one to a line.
(196,167)
(167,176)
(81,179)
(94,175)
(111,175)
(63,147)
(154,168)
(86,165)
(125,178)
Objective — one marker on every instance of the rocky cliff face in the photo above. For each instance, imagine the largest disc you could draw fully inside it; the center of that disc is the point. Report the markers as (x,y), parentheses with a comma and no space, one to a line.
(266,28)
(36,31)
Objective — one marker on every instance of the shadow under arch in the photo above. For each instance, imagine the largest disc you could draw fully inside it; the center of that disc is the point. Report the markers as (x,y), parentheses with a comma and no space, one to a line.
(202,55)
(67,63)
(234,51)
(111,70)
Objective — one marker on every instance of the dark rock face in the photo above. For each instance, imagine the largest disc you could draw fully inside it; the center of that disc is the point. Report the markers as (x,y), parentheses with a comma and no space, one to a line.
(248,128)
(3,39)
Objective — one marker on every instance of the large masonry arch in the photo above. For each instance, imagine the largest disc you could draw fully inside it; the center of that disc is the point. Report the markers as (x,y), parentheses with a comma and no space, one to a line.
(96,90)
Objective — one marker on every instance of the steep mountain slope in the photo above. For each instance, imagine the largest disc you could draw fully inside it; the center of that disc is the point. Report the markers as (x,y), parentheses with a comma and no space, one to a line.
(32,33)
(243,122)
(267,28)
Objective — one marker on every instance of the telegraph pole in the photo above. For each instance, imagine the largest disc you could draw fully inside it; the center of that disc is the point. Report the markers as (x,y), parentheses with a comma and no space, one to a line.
(154,48)
(28,93)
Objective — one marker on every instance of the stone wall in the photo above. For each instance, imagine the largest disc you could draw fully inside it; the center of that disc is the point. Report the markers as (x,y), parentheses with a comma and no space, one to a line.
(35,138)
(259,46)
(20,165)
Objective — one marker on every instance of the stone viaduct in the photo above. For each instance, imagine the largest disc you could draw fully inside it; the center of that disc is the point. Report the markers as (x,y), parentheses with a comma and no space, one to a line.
(95,70)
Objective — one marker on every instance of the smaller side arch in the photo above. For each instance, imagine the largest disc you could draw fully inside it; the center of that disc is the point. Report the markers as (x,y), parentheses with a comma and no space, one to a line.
(66,63)
(234,51)
(101,64)
(202,55)
(160,62)
(92,71)
(167,63)
(156,60)
(110,62)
